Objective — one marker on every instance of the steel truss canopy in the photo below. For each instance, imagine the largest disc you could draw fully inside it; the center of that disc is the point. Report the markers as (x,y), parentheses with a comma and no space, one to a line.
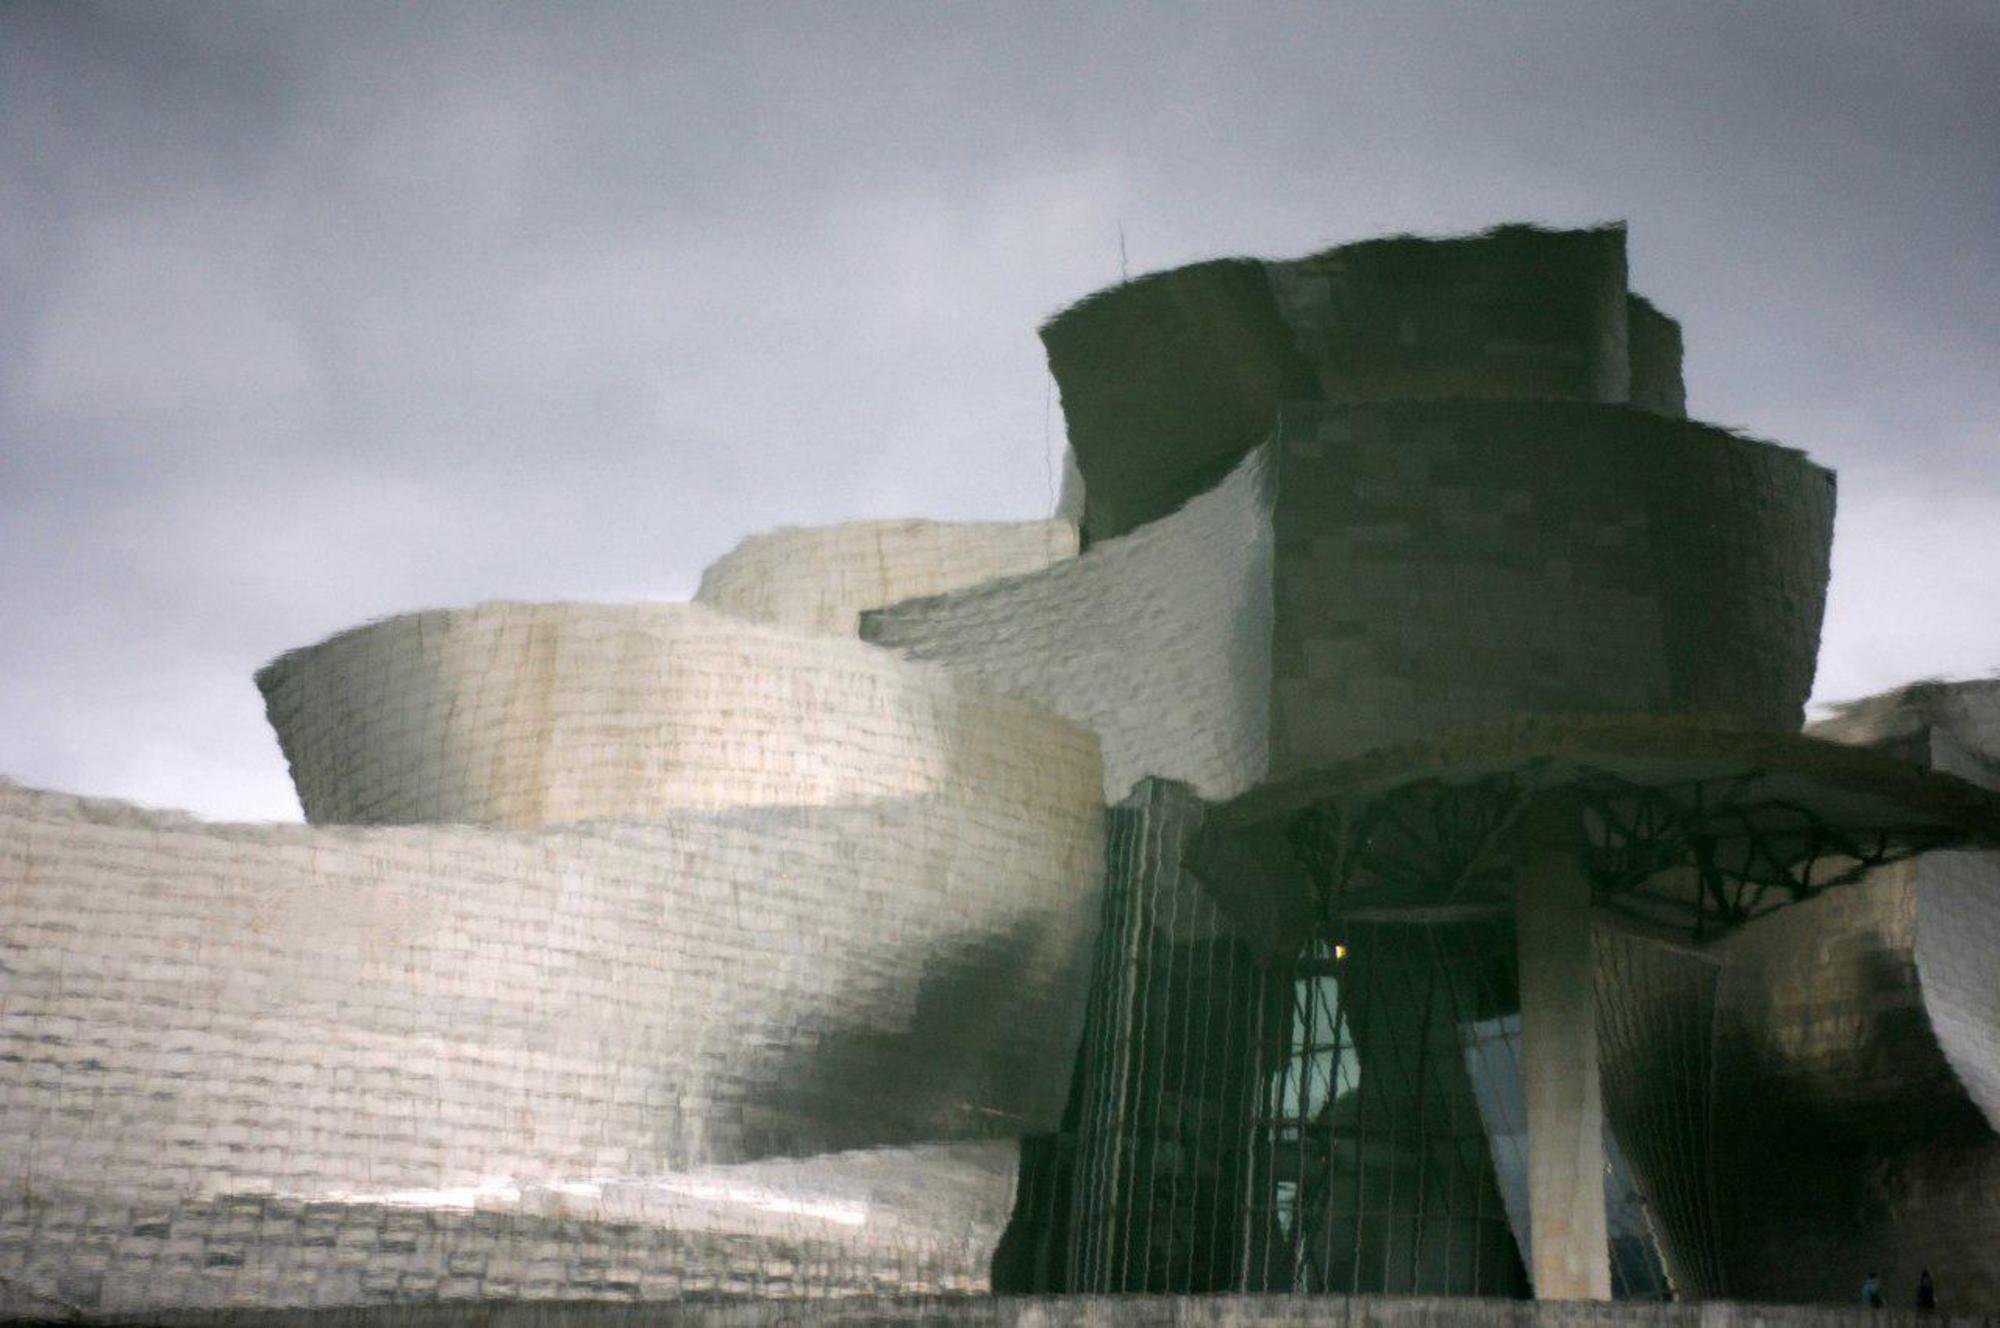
(1684,826)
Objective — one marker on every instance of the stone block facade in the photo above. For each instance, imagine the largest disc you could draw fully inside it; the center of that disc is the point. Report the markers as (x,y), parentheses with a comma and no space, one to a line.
(887,1222)
(194,1009)
(1446,564)
(1846,1142)
(291,1065)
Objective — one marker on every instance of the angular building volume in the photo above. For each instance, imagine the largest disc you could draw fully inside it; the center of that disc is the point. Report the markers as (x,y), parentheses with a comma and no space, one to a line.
(1364,844)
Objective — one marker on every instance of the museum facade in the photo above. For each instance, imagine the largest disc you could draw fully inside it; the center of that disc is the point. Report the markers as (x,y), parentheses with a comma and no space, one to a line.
(1365,842)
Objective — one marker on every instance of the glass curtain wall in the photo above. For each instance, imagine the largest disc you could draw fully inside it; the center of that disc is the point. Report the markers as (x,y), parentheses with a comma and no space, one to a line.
(1370,1160)
(1351,1120)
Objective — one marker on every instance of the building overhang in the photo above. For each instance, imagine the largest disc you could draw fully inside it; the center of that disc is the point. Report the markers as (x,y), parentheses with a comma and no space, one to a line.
(1686,826)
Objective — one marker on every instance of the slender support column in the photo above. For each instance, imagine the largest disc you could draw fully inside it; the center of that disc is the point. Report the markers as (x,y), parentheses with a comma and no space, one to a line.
(1571,1254)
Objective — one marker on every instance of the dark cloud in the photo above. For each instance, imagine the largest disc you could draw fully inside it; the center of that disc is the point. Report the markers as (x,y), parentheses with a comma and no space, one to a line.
(313,313)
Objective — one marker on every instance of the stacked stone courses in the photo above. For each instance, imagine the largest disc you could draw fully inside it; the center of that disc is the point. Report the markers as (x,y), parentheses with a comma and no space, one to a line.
(1383,571)
(1446,564)
(260,1251)
(1486,504)
(307,1011)
(1853,1130)
(820,579)
(722,892)
(196,1011)
(1516,312)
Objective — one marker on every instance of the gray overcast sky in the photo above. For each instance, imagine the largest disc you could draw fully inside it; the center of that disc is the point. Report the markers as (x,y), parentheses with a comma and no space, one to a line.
(311,313)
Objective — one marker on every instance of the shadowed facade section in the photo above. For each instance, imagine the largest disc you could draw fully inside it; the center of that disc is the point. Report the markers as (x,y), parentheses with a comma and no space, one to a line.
(1446,564)
(1168,379)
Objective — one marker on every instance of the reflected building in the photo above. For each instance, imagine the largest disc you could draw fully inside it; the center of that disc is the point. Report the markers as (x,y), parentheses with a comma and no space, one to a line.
(1516,655)
(1363,844)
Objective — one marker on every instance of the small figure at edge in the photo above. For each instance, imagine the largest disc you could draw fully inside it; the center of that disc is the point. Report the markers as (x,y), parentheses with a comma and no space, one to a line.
(1871,1292)
(1926,1292)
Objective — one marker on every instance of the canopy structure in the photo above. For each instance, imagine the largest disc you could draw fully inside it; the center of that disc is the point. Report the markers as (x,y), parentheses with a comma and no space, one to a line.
(1684,825)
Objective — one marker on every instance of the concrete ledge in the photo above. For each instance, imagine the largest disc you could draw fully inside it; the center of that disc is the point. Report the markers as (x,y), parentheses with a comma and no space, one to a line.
(1111,1312)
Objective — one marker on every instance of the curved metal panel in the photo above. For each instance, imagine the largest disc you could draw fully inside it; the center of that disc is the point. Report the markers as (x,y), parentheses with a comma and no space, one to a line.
(526,715)
(820,579)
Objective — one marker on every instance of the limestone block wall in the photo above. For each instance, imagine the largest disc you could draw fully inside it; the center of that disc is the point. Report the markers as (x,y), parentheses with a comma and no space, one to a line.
(1442,564)
(820,579)
(193,1010)
(881,1222)
(522,715)
(1169,379)
(1158,641)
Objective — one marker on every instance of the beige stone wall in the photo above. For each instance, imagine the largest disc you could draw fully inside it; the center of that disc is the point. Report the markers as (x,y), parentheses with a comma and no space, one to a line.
(193,1009)
(522,715)
(734,894)
(882,1222)
(1159,641)
(885,1223)
(820,579)
(1514,313)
